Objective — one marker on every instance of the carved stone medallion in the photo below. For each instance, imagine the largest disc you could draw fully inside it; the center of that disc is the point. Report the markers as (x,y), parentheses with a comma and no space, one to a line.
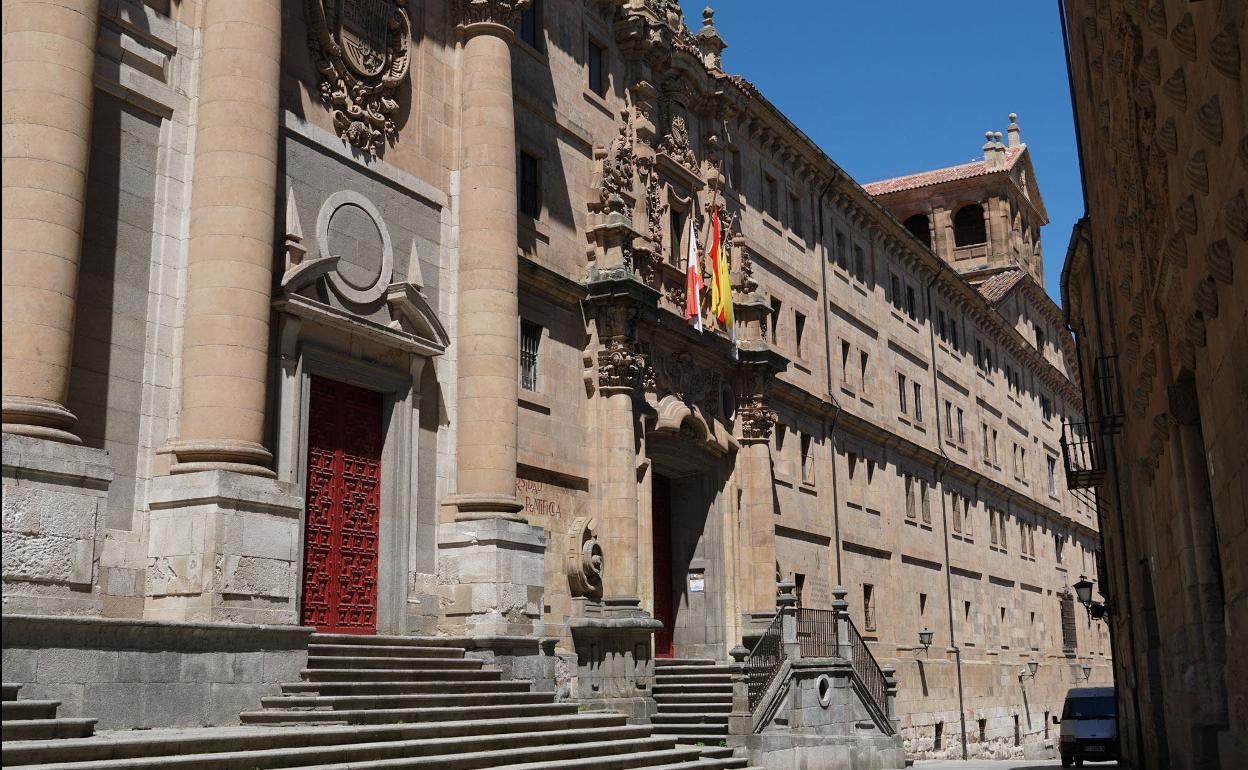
(362,50)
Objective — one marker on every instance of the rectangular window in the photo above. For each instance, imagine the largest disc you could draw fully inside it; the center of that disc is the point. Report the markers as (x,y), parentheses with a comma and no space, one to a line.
(1004,543)
(795,215)
(901,392)
(531,25)
(996,456)
(925,502)
(808,463)
(1058,543)
(775,319)
(844,362)
(918,402)
(734,170)
(851,463)
(912,304)
(1069,640)
(1039,339)
(530,185)
(860,264)
(530,338)
(895,286)
(956,510)
(954,339)
(908,480)
(968,523)
(961,428)
(992,522)
(1046,408)
(780,432)
(772,191)
(868,607)
(597,70)
(842,253)
(862,361)
(987,448)
(949,418)
(799,333)
(677,222)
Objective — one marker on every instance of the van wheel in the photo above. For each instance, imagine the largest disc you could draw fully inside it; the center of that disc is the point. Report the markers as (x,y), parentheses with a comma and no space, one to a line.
(1067,761)
(1079,762)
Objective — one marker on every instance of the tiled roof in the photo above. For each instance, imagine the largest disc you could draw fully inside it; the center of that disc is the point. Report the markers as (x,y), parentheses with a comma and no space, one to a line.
(940,175)
(995,288)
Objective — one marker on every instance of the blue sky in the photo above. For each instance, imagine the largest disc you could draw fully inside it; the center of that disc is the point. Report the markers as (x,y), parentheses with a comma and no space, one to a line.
(897,86)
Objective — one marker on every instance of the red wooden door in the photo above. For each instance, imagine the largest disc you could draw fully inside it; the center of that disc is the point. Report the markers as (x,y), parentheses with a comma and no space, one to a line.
(343,508)
(661,534)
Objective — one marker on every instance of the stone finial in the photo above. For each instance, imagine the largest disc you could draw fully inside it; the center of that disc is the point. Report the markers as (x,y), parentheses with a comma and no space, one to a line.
(739,654)
(710,44)
(786,594)
(990,151)
(1013,131)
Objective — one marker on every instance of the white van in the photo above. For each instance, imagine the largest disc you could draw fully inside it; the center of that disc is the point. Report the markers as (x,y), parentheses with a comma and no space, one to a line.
(1089,726)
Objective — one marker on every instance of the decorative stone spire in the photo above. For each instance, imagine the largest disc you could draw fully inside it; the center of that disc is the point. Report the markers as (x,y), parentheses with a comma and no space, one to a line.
(1013,131)
(709,42)
(990,151)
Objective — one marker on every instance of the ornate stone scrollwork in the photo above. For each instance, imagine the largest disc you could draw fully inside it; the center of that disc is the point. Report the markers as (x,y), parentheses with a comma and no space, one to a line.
(584,559)
(618,167)
(757,419)
(504,12)
(676,144)
(620,365)
(362,50)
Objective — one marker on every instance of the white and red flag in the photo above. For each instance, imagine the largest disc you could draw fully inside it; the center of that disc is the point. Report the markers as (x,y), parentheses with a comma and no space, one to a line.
(694,284)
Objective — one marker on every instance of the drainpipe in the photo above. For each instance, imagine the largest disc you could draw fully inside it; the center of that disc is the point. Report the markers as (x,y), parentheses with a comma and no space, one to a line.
(827,366)
(1111,458)
(941,468)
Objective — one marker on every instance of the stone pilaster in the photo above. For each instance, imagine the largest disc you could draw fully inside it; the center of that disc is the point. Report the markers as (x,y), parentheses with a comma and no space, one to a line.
(758,552)
(230,253)
(49,69)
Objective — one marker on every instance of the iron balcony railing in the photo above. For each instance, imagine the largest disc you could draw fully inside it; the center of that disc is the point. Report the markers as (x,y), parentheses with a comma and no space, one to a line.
(764,661)
(1081,454)
(816,632)
(867,669)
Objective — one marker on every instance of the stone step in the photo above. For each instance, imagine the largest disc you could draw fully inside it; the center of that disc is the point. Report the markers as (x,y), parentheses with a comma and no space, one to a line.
(29,709)
(696,706)
(388,640)
(697,728)
(391,716)
(666,662)
(45,729)
(351,702)
(384,650)
(364,661)
(461,752)
(404,688)
(709,687)
(697,739)
(142,743)
(687,697)
(694,677)
(692,717)
(672,759)
(9,690)
(398,674)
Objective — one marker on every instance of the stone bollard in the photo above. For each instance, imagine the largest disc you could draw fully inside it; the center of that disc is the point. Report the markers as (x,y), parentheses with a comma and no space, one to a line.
(741,721)
(786,605)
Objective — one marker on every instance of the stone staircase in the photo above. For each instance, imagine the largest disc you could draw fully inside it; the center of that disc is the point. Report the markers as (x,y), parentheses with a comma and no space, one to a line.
(36,719)
(385,703)
(694,698)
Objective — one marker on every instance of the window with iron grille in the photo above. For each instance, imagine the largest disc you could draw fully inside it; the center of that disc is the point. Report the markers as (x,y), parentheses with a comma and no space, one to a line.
(868,607)
(530,338)
(1069,640)
(530,185)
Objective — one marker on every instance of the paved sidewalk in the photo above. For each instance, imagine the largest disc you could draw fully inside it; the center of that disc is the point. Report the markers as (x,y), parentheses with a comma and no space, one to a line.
(1008,764)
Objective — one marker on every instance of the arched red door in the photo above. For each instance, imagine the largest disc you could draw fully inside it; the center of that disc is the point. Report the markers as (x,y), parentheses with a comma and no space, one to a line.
(661,535)
(343,508)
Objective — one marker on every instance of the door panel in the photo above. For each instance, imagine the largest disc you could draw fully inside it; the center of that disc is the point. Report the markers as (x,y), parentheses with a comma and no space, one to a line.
(664,611)
(343,508)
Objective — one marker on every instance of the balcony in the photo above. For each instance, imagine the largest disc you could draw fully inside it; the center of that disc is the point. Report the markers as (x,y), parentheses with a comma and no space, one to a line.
(1108,385)
(1082,455)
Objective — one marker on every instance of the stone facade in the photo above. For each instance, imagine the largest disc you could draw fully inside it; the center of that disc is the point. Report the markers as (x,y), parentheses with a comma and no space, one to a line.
(479,212)
(1155,292)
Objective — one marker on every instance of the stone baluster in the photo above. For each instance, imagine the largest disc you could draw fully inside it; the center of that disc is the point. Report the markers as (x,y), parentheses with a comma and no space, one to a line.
(741,720)
(49,71)
(225,343)
(488,316)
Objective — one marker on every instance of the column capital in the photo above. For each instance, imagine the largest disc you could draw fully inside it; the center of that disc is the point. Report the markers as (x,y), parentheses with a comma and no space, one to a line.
(490,16)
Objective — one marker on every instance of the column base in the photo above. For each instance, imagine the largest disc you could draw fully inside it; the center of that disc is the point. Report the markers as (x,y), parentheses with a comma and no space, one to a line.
(223,546)
(40,418)
(245,457)
(54,497)
(615,667)
(491,575)
(469,507)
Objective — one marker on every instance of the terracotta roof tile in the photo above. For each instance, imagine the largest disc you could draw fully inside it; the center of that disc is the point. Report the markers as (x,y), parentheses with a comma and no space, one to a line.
(995,288)
(940,175)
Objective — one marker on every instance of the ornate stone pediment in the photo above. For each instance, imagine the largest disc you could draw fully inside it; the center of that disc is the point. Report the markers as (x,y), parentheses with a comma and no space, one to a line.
(362,50)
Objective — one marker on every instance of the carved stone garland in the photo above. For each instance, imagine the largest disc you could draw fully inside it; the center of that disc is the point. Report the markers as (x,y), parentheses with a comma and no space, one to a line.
(363,53)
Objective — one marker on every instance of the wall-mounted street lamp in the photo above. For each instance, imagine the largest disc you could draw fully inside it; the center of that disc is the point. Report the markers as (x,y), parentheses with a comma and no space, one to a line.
(1030,672)
(925,638)
(1086,670)
(1083,591)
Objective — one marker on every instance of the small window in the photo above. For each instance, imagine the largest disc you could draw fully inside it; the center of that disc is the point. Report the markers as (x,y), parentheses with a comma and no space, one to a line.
(901,392)
(775,319)
(925,502)
(961,428)
(868,606)
(954,499)
(1051,475)
(968,226)
(844,362)
(860,264)
(949,418)
(597,72)
(808,463)
(1039,339)
(908,480)
(918,402)
(863,359)
(530,338)
(677,222)
(772,191)
(912,304)
(795,215)
(531,25)
(842,252)
(734,170)
(894,284)
(799,332)
(530,185)
(1046,408)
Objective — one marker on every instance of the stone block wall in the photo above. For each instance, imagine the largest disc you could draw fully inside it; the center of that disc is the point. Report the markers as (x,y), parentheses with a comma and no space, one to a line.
(147,674)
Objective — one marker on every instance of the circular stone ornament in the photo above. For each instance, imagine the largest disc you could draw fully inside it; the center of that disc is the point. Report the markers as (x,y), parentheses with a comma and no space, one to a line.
(356,289)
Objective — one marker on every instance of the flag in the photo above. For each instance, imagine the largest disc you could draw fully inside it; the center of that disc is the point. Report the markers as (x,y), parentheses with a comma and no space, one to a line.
(721,282)
(694,284)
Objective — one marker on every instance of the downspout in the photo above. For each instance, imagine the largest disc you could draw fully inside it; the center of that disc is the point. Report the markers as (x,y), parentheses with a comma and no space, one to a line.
(941,468)
(827,366)
(1111,454)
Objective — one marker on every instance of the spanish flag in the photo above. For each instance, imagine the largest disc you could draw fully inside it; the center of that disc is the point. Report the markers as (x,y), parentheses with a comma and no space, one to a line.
(694,285)
(721,282)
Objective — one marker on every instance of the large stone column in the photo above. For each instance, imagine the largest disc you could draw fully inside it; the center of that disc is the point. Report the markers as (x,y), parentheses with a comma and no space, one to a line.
(488,361)
(230,257)
(48,74)
(492,559)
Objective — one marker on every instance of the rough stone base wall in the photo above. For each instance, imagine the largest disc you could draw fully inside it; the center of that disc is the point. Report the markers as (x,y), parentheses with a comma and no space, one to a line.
(143,674)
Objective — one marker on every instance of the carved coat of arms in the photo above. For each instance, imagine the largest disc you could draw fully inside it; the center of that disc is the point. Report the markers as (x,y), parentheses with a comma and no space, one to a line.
(362,50)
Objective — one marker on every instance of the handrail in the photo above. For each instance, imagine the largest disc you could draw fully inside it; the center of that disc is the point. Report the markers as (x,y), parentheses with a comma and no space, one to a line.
(867,669)
(764,661)
(817,633)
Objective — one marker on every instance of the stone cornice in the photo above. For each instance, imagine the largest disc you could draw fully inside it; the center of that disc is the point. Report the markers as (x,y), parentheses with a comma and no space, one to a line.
(505,13)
